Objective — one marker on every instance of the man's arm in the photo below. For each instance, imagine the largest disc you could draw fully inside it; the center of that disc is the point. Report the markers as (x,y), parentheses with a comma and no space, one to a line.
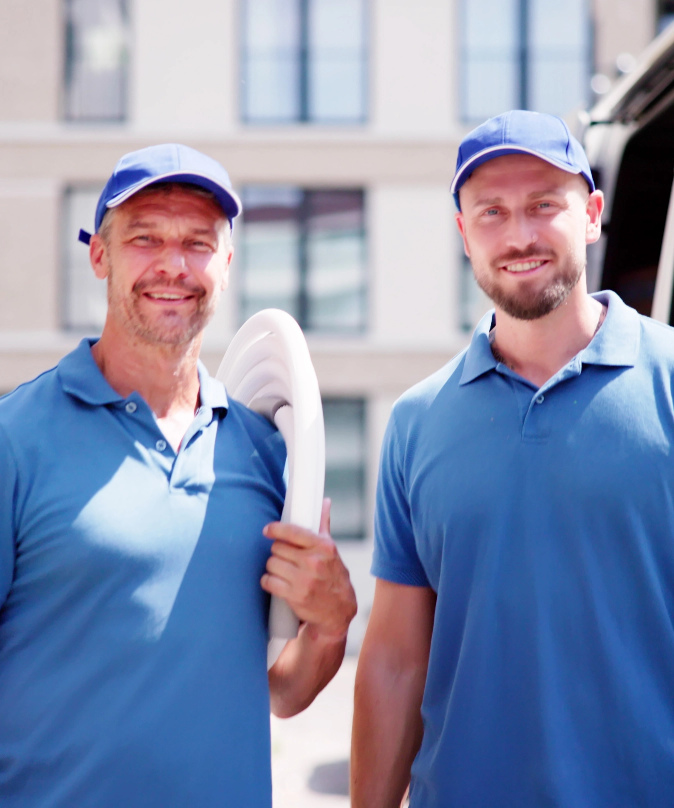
(305,569)
(390,680)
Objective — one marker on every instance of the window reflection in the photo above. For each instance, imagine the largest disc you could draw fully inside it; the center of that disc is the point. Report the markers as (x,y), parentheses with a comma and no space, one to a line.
(96,59)
(304,251)
(526,54)
(303,60)
(345,464)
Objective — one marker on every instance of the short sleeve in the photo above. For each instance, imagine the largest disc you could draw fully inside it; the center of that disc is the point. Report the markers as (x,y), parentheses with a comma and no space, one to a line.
(395,556)
(7,504)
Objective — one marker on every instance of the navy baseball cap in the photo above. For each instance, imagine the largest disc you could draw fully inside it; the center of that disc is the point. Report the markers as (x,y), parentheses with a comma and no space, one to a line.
(521,132)
(169,162)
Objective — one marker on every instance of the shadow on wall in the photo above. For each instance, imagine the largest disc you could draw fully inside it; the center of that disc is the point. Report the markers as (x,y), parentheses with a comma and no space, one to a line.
(331,778)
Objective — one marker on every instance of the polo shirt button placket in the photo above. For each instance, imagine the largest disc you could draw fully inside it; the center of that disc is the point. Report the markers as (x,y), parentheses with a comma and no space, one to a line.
(540,399)
(131,407)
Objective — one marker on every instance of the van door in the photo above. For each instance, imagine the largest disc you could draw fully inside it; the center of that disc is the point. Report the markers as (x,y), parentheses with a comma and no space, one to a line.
(629,139)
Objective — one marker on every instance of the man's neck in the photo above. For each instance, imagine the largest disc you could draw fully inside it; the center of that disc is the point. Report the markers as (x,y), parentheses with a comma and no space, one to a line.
(165,376)
(537,349)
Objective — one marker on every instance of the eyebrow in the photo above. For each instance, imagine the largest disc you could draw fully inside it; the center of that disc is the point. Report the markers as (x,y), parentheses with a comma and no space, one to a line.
(496,200)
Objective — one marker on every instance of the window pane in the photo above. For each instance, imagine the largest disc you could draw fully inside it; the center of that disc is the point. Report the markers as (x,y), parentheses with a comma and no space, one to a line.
(345,455)
(85,301)
(96,59)
(304,251)
(269,270)
(490,86)
(336,69)
(490,57)
(271,63)
(559,70)
(336,261)
(303,60)
(542,65)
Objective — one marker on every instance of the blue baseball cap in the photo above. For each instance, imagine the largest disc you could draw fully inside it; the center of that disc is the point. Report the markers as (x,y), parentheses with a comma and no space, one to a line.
(521,132)
(168,162)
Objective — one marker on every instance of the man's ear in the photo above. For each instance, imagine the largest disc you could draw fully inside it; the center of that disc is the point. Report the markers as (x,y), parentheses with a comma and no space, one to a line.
(98,257)
(461,224)
(593,209)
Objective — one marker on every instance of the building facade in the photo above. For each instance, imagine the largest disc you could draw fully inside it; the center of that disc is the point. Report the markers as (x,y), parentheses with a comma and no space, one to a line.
(338,121)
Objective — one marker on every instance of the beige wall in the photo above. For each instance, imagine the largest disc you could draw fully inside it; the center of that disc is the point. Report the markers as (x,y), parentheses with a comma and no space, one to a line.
(183,67)
(29,239)
(30,60)
(412,67)
(621,26)
(413,285)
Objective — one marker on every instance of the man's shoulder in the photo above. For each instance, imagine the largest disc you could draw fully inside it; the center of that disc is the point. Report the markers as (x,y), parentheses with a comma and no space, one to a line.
(251,421)
(657,337)
(262,433)
(26,396)
(418,399)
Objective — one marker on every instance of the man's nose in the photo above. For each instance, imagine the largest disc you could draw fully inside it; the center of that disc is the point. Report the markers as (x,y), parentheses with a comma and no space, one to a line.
(172,259)
(522,231)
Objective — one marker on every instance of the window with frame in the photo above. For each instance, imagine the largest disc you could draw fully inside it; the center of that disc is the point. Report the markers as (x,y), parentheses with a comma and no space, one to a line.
(84,298)
(345,466)
(96,60)
(303,61)
(524,54)
(304,251)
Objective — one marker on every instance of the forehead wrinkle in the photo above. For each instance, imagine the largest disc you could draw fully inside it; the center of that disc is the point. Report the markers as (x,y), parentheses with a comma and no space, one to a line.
(143,222)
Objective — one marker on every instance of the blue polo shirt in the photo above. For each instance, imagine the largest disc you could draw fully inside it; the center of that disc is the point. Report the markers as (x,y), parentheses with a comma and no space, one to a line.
(544,521)
(132,623)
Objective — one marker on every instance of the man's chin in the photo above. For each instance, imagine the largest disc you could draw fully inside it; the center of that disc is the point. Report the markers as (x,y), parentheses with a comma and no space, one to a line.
(534,304)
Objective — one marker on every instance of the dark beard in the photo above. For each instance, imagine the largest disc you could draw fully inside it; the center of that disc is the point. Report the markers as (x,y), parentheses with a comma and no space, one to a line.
(537,304)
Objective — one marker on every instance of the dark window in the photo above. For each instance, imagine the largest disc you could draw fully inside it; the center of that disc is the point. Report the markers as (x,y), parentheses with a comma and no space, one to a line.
(303,61)
(304,252)
(524,54)
(345,466)
(665,14)
(97,33)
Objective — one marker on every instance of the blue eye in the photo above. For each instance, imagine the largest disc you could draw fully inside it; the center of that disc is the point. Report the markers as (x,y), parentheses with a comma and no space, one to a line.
(200,245)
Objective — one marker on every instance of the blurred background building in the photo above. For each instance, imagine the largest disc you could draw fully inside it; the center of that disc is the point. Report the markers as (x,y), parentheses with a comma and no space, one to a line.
(338,121)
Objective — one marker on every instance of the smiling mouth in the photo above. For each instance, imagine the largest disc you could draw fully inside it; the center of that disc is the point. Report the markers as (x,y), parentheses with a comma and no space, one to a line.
(168,296)
(524,266)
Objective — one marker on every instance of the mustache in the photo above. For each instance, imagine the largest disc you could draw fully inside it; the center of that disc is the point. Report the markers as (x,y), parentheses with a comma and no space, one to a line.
(177,285)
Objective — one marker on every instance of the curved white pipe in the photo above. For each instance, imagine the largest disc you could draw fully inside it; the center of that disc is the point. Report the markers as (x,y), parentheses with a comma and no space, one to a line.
(268,368)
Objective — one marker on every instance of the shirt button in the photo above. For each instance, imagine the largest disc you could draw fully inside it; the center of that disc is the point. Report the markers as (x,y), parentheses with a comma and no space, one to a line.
(131,407)
(160,445)
(540,399)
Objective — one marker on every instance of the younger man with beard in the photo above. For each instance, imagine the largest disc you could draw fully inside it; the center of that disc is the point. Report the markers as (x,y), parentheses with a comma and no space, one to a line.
(520,650)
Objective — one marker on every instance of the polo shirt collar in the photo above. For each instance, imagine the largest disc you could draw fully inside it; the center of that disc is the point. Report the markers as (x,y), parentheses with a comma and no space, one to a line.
(479,358)
(616,344)
(81,377)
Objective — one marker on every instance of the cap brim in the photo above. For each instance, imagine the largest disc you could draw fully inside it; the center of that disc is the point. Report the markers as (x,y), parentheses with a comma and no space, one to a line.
(500,151)
(228,200)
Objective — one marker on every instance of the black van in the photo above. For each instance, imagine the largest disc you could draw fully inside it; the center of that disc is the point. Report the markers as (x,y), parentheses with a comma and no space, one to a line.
(629,139)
